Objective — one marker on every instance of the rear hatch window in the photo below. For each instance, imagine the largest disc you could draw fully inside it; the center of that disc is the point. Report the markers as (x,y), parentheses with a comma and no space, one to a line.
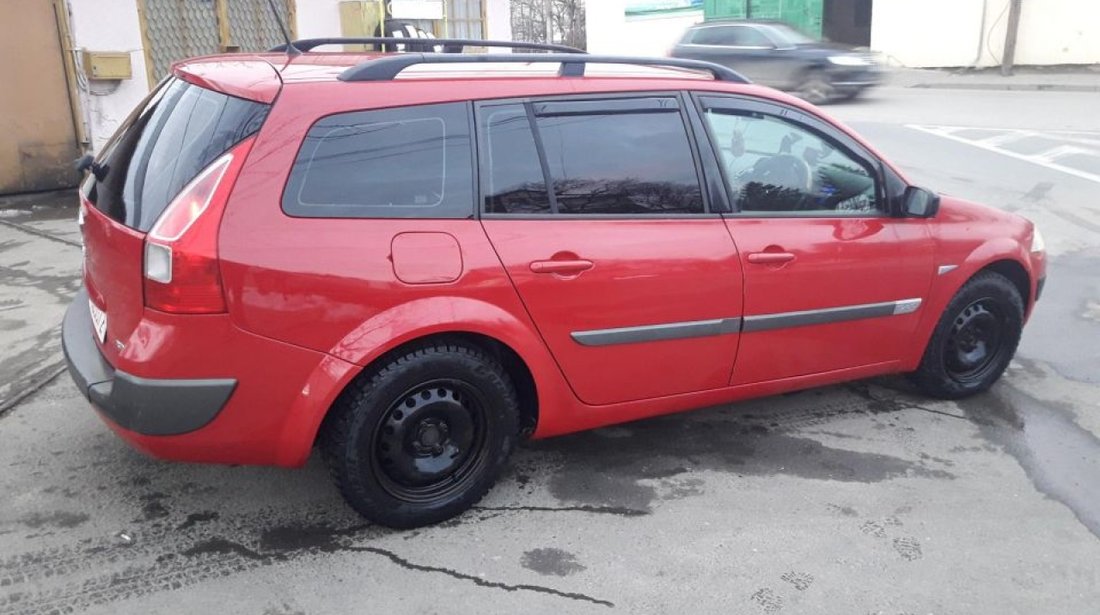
(172,136)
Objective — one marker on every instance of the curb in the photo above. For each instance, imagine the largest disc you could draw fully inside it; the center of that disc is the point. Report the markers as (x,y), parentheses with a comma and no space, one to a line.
(1019,87)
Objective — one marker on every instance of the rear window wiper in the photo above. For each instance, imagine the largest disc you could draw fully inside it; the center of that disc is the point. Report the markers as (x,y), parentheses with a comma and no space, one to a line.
(87,162)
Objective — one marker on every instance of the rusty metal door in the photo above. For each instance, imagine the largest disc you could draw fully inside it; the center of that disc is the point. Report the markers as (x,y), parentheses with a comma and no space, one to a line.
(38,141)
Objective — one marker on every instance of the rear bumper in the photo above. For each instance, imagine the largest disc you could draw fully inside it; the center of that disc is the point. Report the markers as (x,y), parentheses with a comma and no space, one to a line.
(163,392)
(151,407)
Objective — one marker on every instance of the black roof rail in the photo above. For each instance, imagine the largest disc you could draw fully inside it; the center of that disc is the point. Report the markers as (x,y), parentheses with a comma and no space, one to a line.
(386,68)
(308,44)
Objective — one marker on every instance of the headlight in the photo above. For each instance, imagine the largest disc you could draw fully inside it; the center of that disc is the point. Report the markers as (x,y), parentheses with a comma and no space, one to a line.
(848,61)
(1037,243)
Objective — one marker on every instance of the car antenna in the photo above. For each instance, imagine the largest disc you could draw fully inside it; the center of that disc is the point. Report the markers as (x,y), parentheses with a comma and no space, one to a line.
(291,50)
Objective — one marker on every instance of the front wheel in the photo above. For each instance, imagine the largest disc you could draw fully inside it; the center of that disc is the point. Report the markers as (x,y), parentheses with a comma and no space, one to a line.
(423,437)
(974,340)
(816,88)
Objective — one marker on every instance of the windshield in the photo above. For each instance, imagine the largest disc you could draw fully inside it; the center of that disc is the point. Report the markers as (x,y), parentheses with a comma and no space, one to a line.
(785,36)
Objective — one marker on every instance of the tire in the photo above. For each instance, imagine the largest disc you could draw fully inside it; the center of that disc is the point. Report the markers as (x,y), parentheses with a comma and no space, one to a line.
(974,340)
(851,95)
(816,88)
(423,437)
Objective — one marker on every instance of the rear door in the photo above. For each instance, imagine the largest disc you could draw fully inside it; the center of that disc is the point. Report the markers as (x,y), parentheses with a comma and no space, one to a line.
(832,279)
(596,210)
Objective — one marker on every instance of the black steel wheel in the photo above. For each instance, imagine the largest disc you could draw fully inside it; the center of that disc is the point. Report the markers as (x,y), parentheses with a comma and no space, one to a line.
(974,340)
(431,441)
(423,435)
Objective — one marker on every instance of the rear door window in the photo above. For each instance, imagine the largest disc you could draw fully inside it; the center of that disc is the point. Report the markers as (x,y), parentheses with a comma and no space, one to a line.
(172,136)
(411,162)
(623,156)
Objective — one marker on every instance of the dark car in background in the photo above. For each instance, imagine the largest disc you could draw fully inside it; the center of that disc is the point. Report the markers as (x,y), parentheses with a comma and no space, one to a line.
(773,53)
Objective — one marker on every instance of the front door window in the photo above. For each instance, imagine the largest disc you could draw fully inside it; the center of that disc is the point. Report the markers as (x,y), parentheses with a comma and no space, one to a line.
(773,165)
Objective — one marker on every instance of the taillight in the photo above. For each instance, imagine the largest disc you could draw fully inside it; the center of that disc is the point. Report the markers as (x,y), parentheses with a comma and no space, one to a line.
(182,274)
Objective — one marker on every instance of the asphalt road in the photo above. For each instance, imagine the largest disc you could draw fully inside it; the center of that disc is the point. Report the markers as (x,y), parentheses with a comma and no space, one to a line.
(863,498)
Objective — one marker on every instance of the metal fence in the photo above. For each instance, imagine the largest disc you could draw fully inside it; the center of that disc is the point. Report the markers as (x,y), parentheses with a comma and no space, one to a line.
(178,29)
(251,25)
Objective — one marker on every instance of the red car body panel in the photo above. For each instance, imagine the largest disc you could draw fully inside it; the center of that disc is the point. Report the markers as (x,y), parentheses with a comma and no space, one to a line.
(113,275)
(640,272)
(246,77)
(835,262)
(313,301)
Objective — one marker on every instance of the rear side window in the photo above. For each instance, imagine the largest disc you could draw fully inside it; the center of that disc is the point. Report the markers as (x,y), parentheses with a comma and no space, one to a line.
(172,136)
(626,157)
(734,36)
(411,162)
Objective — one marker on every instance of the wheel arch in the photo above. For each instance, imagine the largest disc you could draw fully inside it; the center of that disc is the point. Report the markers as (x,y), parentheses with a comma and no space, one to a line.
(507,335)
(1002,257)
(1015,272)
(514,365)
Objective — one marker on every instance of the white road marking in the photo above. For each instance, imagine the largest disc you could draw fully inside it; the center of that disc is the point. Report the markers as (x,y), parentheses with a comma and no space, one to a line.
(1008,137)
(1046,158)
(1055,153)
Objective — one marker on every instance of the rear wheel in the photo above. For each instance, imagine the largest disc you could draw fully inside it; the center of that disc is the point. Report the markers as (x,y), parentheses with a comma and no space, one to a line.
(974,340)
(423,437)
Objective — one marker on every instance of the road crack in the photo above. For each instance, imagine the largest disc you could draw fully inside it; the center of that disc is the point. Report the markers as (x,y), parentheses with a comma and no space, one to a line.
(37,381)
(42,234)
(598,510)
(404,563)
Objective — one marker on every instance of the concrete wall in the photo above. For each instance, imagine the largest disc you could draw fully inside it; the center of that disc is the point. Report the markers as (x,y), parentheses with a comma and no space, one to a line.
(611,31)
(109,25)
(935,33)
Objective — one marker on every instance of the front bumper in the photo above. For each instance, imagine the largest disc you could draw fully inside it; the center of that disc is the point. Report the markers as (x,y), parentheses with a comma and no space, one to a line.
(152,407)
(855,78)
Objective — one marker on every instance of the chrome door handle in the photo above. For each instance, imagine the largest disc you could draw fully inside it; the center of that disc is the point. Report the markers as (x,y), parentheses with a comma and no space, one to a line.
(770,258)
(561,267)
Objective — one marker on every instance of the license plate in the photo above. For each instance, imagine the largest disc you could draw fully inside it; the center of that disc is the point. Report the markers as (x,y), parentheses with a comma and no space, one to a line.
(99,321)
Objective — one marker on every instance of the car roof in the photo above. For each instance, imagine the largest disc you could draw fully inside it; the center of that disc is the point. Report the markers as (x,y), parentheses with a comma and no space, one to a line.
(740,22)
(261,76)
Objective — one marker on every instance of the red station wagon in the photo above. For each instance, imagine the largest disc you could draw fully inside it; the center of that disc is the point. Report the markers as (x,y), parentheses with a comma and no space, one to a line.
(413,260)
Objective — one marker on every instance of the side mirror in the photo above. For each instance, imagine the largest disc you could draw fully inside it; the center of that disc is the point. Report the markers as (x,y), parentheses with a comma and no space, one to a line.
(920,203)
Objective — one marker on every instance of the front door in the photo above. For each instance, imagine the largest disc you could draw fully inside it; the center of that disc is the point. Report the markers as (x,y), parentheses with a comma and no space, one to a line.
(596,212)
(832,280)
(38,142)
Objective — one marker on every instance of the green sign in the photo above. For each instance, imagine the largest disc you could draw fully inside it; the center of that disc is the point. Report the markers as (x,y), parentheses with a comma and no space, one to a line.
(650,7)
(802,14)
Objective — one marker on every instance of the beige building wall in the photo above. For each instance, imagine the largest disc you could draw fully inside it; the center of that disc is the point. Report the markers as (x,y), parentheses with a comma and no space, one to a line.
(38,137)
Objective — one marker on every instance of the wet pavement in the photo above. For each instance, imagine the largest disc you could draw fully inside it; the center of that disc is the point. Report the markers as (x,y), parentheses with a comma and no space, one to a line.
(861,498)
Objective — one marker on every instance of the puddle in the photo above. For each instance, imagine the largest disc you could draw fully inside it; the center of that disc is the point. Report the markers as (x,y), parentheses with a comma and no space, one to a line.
(1061,458)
